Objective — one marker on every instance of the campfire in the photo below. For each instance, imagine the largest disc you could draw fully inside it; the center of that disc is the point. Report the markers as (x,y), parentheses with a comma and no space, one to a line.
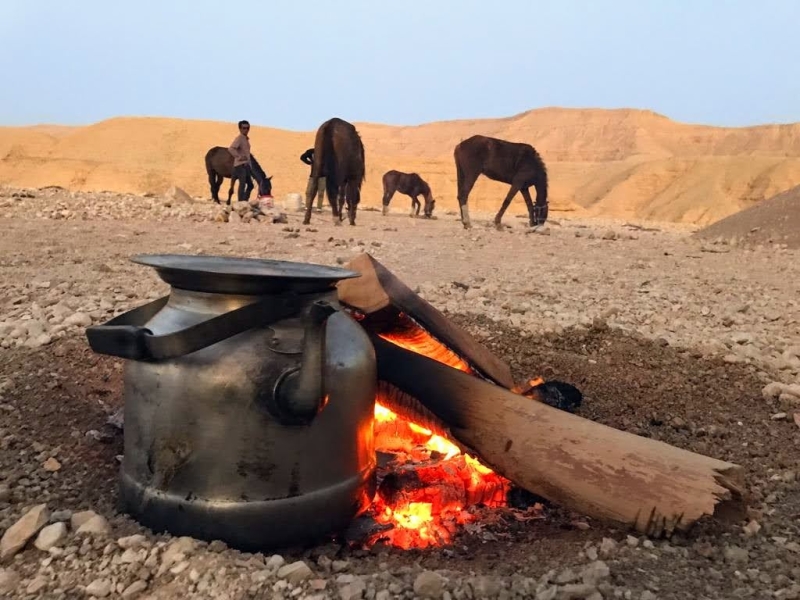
(427,483)
(453,435)
(454,431)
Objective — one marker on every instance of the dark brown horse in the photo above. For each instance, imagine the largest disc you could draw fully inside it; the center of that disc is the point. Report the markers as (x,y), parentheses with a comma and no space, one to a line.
(518,165)
(339,154)
(410,184)
(219,165)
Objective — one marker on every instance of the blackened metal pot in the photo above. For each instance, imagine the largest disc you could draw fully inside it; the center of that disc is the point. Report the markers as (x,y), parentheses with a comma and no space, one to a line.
(249,402)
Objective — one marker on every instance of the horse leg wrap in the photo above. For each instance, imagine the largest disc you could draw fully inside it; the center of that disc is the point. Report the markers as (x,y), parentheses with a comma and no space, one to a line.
(465,216)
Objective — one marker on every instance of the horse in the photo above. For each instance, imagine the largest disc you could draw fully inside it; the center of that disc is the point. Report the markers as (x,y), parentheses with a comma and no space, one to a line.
(518,165)
(339,155)
(410,184)
(219,165)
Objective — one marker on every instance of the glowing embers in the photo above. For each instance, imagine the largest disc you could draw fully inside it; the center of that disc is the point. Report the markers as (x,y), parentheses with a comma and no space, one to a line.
(429,485)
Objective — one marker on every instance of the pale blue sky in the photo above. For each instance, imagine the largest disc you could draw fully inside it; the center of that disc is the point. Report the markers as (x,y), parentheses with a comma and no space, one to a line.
(295,64)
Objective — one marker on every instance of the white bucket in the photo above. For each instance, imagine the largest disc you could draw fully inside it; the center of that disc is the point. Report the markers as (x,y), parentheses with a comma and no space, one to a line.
(294,203)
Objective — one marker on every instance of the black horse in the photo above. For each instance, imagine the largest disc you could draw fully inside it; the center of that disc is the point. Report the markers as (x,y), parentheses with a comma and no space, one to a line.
(518,165)
(410,184)
(219,165)
(339,155)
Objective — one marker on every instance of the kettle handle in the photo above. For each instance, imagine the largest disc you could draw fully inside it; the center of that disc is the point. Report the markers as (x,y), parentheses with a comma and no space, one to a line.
(126,337)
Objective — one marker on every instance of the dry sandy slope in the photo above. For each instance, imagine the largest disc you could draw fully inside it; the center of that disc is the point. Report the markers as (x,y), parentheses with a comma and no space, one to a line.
(620,163)
(776,220)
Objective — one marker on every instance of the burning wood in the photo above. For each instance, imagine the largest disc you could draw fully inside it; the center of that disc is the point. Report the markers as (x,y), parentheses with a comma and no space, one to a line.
(432,370)
(426,488)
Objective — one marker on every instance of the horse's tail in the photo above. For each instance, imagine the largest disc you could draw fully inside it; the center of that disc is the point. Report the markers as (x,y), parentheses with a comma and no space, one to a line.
(363,159)
(459,171)
(540,183)
(209,167)
(324,163)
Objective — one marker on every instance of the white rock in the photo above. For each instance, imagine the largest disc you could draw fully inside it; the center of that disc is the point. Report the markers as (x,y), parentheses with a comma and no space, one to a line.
(132,541)
(9,580)
(177,194)
(99,588)
(97,525)
(276,561)
(134,589)
(79,518)
(295,572)
(51,536)
(36,585)
(429,584)
(15,538)
(595,572)
(177,550)
(78,319)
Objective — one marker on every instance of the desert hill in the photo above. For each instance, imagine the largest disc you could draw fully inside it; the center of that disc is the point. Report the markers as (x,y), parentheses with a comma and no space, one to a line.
(624,163)
(773,221)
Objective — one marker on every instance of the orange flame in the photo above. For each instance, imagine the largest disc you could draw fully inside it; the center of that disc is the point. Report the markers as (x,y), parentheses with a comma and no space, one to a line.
(430,509)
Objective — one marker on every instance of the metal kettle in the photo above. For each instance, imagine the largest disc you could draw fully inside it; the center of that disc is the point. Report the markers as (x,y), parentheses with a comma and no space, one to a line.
(248,402)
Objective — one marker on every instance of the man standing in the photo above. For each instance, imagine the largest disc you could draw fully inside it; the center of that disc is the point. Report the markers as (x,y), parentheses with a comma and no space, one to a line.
(240,149)
(308,158)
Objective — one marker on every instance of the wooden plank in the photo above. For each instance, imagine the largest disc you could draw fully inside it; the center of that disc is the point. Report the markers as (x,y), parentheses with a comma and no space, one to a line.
(579,464)
(379,293)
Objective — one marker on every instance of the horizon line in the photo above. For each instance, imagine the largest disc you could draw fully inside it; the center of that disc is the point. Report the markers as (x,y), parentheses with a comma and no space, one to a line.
(411,125)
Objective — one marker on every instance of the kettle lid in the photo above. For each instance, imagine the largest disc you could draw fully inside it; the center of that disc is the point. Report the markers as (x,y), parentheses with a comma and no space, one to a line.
(238,275)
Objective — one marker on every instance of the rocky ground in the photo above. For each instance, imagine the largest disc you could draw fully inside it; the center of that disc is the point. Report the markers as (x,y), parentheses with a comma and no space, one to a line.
(692,342)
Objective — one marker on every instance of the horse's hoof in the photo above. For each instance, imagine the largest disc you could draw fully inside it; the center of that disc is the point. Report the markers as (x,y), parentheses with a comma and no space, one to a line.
(498,226)
(306,221)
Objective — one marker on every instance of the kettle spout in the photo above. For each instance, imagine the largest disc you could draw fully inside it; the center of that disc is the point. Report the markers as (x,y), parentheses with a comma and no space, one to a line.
(300,393)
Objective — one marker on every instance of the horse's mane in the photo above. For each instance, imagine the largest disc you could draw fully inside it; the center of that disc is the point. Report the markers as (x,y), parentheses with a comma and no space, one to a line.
(258,172)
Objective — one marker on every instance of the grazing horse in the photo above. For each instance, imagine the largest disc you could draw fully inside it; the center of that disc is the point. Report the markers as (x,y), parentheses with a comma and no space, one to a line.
(219,165)
(339,155)
(519,165)
(410,184)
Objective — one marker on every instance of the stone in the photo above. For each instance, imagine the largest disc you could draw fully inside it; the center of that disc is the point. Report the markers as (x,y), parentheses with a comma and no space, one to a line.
(16,536)
(429,584)
(595,572)
(51,536)
(607,547)
(36,585)
(134,589)
(60,515)
(132,541)
(353,591)
(548,593)
(51,465)
(99,588)
(177,550)
(295,572)
(97,525)
(79,518)
(78,319)
(276,561)
(577,591)
(177,194)
(736,555)
(9,580)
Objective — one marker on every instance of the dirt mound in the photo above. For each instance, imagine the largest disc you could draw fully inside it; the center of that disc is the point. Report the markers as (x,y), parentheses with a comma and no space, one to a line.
(626,164)
(774,221)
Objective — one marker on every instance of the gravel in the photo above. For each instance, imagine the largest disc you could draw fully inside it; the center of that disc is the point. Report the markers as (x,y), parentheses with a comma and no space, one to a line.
(688,341)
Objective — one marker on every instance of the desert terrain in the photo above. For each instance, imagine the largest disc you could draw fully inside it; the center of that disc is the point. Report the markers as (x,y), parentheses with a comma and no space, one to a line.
(627,164)
(691,341)
(671,331)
